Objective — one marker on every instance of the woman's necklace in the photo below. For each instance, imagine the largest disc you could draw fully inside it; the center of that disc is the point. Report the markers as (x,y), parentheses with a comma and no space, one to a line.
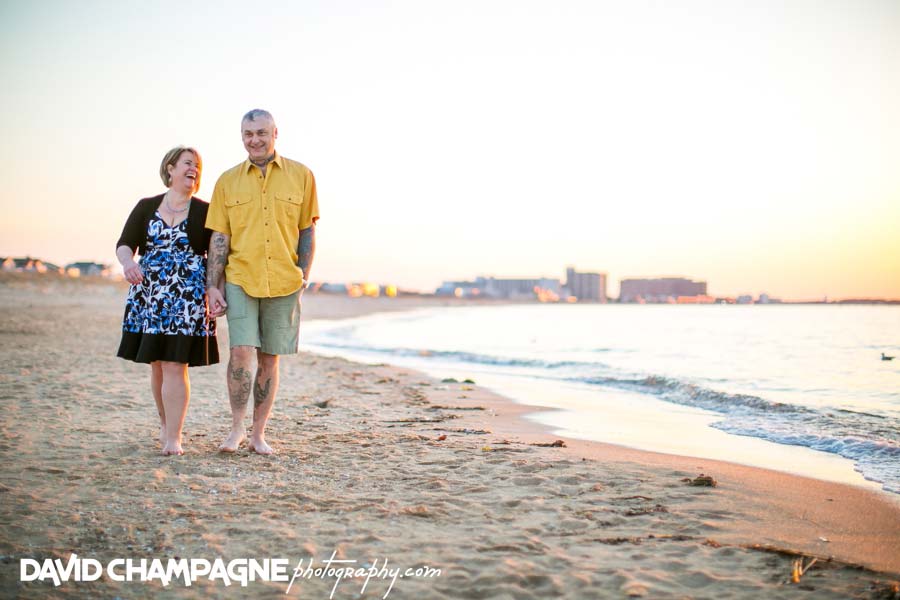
(172,210)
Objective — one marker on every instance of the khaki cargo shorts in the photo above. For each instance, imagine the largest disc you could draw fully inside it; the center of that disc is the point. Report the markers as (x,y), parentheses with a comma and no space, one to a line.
(270,324)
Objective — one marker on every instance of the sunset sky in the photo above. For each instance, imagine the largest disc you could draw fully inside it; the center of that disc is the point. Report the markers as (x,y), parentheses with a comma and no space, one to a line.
(754,145)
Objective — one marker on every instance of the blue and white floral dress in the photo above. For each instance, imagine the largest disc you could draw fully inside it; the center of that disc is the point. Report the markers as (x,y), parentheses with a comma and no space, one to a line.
(165,314)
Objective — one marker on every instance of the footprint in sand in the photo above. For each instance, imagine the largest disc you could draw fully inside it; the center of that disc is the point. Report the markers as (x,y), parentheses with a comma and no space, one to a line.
(530,480)
(570,479)
(530,468)
(478,489)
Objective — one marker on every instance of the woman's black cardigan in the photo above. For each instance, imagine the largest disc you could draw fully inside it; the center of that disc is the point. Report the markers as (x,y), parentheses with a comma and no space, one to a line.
(134,234)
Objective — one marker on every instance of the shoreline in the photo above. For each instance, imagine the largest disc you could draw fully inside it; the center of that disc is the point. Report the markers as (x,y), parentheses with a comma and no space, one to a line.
(381,462)
(692,429)
(861,525)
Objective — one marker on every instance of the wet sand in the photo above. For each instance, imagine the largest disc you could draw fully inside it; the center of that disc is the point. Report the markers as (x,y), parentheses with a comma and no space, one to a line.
(376,462)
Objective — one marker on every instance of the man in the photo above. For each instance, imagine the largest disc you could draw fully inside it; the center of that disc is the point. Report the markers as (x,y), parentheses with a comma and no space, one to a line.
(263,216)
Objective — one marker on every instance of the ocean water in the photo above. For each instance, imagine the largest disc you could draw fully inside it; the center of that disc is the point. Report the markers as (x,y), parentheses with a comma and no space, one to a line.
(799,388)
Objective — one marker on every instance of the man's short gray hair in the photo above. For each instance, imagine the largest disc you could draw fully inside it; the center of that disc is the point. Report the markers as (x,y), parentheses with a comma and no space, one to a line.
(258,113)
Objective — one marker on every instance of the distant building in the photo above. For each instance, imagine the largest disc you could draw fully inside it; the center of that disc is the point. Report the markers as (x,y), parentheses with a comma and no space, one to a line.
(508,289)
(333,288)
(26,265)
(29,265)
(367,288)
(692,300)
(87,269)
(586,287)
(666,289)
(460,289)
(517,288)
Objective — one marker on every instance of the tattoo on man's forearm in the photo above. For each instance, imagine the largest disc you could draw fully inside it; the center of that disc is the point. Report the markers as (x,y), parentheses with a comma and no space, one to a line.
(217,257)
(306,249)
(261,392)
(238,387)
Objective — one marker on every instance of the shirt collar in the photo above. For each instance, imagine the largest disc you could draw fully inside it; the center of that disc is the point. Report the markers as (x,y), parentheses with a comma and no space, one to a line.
(277,160)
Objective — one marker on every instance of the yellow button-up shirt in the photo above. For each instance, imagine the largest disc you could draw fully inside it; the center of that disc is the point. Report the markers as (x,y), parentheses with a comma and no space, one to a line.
(264,216)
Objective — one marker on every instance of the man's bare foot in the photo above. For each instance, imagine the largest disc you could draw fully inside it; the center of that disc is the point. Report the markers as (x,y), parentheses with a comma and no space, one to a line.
(233,442)
(261,447)
(172,449)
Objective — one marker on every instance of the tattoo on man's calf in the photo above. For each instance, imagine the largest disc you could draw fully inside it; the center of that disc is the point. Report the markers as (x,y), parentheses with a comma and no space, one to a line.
(261,392)
(239,381)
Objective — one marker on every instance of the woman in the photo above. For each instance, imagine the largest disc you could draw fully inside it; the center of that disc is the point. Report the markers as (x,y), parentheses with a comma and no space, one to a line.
(166,322)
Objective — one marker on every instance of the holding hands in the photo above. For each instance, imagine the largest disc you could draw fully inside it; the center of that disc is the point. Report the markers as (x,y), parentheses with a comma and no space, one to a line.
(215,301)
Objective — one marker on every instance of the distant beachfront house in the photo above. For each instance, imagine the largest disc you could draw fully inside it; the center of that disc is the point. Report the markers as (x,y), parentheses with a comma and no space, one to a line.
(763,299)
(87,269)
(332,288)
(460,289)
(27,264)
(665,289)
(365,289)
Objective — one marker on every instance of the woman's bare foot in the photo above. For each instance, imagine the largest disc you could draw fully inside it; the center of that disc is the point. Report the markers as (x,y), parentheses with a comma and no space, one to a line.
(235,438)
(261,447)
(172,449)
(162,435)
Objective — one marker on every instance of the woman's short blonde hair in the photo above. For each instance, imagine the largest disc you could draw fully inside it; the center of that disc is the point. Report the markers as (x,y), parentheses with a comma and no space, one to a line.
(171,158)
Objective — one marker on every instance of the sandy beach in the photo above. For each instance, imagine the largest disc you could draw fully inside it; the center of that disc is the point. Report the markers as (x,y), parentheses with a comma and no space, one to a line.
(380,463)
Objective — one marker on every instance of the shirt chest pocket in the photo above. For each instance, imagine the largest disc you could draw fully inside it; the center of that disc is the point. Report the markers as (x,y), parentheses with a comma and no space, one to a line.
(287,209)
(239,208)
